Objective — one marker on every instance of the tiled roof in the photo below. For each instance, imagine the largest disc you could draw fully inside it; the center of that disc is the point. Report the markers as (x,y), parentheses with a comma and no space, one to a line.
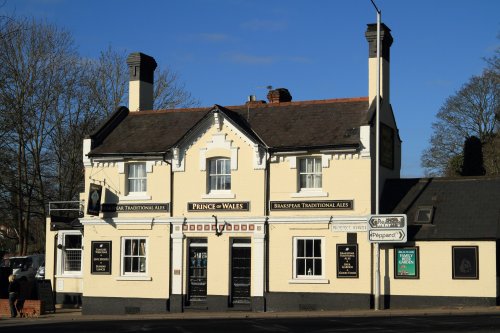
(463,208)
(290,125)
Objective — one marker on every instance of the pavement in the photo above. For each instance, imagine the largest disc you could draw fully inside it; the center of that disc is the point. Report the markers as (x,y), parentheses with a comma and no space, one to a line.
(75,315)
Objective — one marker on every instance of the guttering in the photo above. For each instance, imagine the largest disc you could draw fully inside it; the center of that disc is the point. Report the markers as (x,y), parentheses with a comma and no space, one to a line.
(305,149)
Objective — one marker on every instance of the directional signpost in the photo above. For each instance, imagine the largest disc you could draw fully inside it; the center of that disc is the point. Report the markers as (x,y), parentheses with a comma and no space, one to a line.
(387,228)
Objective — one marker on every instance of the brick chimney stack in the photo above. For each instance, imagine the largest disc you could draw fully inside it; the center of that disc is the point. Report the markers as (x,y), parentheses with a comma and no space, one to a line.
(141,68)
(279,95)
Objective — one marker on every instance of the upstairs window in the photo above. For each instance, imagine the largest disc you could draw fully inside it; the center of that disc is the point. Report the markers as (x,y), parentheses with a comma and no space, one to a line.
(219,174)
(136,173)
(310,173)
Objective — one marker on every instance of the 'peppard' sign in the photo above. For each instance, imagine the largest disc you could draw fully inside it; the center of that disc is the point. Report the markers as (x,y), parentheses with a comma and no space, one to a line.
(312,205)
(218,206)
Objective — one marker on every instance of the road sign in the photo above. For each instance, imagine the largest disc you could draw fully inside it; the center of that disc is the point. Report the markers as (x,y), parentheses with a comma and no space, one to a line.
(387,228)
(387,236)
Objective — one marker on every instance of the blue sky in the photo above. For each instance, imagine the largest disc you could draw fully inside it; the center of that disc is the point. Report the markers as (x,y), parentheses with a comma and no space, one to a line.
(225,50)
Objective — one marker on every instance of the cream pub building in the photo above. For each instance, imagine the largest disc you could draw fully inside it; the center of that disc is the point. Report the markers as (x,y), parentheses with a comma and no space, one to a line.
(261,206)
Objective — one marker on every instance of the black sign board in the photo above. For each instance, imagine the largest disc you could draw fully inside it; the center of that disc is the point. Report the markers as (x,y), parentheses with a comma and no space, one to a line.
(386,146)
(347,261)
(218,206)
(312,205)
(94,206)
(44,294)
(148,207)
(465,262)
(101,257)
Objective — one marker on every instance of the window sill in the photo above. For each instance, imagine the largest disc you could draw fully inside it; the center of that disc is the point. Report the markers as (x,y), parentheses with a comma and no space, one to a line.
(134,278)
(219,195)
(309,281)
(309,194)
(134,197)
(68,275)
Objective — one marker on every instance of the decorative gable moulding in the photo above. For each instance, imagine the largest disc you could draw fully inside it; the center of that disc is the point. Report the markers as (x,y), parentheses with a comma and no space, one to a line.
(219,142)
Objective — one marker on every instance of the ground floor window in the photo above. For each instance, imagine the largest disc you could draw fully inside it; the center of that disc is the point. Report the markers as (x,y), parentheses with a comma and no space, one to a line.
(70,243)
(134,256)
(308,257)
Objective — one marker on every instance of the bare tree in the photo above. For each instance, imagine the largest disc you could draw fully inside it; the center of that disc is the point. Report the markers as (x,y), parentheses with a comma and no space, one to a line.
(108,85)
(50,99)
(470,112)
(37,69)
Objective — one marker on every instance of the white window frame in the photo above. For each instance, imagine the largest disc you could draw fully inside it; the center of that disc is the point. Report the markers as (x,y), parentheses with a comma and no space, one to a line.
(130,178)
(316,161)
(61,245)
(123,256)
(308,278)
(218,193)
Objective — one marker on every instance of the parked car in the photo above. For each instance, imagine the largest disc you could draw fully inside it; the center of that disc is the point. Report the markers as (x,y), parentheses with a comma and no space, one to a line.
(40,273)
(26,266)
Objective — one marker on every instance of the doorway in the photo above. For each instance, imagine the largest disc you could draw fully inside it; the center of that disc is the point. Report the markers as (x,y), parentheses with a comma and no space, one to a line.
(197,272)
(241,258)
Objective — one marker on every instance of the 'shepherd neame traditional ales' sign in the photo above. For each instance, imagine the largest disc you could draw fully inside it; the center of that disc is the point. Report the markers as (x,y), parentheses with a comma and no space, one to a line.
(218,206)
(148,207)
(347,261)
(312,205)
(101,257)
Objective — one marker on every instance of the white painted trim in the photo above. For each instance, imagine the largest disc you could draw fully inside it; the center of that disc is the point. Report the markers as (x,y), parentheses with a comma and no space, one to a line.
(317,219)
(309,193)
(364,136)
(87,144)
(121,167)
(124,221)
(134,196)
(133,278)
(309,281)
(221,194)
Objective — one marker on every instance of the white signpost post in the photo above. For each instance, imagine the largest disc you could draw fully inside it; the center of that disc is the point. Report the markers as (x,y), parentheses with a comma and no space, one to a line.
(387,228)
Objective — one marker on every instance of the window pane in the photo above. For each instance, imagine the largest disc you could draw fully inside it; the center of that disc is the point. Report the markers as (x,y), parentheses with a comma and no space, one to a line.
(301,267)
(300,248)
(135,264)
(317,248)
(309,247)
(309,267)
(128,247)
(317,267)
(128,264)
(73,241)
(142,249)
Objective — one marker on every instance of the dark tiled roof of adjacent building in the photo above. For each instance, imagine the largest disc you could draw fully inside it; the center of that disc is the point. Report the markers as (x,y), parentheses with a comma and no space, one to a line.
(463,208)
(278,126)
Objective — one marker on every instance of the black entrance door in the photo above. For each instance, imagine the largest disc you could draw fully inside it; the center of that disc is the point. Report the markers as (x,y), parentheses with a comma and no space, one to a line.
(197,280)
(240,272)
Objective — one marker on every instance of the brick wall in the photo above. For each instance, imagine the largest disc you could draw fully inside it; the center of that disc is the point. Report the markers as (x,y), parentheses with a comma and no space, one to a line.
(30,307)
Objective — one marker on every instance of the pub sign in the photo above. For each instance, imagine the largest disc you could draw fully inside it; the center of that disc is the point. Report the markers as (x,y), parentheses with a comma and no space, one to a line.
(101,257)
